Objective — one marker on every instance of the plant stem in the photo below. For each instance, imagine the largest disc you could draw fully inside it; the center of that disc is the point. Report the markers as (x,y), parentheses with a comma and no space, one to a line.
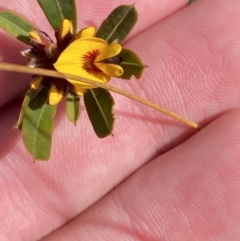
(52,73)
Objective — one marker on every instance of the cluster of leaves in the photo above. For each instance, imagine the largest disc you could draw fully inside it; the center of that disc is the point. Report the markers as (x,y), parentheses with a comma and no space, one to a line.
(36,118)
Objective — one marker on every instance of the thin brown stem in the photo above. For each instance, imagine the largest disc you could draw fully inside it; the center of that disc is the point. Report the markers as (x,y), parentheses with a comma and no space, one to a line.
(52,73)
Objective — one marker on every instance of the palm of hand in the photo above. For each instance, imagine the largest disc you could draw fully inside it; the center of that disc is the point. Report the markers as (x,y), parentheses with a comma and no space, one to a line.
(190,192)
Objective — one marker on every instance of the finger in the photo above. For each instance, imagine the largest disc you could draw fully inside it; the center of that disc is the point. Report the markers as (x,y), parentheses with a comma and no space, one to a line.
(190,193)
(150,12)
(92,167)
(12,84)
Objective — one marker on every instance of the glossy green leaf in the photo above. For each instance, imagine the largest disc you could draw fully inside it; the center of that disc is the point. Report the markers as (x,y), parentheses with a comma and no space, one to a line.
(37,126)
(99,104)
(118,24)
(73,107)
(131,64)
(27,98)
(16,26)
(57,10)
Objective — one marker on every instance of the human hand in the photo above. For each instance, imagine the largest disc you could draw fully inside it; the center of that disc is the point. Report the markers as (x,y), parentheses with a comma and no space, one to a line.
(189,192)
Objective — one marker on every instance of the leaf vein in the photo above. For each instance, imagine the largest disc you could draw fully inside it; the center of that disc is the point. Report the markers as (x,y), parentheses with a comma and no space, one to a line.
(37,127)
(110,35)
(60,10)
(104,117)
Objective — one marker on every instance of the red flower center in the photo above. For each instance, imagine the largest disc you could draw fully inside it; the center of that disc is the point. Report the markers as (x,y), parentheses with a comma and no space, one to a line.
(88,62)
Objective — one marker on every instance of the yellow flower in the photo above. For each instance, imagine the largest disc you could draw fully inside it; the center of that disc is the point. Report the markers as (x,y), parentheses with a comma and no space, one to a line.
(65,29)
(55,95)
(91,58)
(82,55)
(57,88)
(36,82)
(85,33)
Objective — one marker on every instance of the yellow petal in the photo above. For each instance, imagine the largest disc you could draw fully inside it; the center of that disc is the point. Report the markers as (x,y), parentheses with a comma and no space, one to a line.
(85,33)
(34,35)
(78,71)
(65,29)
(110,69)
(54,95)
(78,90)
(36,82)
(71,60)
(109,52)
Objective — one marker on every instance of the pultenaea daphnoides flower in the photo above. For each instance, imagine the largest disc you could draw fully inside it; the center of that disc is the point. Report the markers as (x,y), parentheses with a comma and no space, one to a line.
(79,54)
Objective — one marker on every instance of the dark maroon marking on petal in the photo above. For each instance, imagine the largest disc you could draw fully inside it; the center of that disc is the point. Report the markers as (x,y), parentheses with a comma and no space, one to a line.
(88,62)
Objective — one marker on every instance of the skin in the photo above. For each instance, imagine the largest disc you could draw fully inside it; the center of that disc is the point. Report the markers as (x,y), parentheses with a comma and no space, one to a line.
(156,179)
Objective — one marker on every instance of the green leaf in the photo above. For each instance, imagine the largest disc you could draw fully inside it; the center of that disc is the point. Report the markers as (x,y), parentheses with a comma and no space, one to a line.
(73,107)
(16,26)
(37,126)
(131,64)
(118,24)
(99,104)
(28,97)
(57,10)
